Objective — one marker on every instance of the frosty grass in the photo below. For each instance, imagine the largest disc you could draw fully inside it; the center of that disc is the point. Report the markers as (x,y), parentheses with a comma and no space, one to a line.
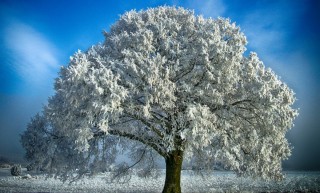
(217,182)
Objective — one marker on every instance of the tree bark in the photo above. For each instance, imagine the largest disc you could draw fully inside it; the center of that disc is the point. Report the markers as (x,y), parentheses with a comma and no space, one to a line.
(173,172)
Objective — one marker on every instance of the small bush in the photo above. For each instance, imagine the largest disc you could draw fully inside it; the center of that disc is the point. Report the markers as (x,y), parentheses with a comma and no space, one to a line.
(2,165)
(30,167)
(16,170)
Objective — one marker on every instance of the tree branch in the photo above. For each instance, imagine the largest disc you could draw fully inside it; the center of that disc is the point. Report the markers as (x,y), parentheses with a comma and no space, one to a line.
(132,137)
(182,74)
(126,169)
(241,101)
(145,122)
(201,79)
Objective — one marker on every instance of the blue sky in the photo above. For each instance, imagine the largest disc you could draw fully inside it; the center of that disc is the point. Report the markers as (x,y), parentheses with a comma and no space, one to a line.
(39,36)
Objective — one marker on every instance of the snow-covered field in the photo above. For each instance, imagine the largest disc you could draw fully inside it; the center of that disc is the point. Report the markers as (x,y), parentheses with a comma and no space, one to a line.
(217,182)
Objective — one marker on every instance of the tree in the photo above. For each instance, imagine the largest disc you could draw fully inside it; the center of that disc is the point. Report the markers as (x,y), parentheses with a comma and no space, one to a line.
(171,84)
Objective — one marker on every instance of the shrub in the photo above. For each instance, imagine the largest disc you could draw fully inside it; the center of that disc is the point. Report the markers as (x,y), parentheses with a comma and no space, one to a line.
(30,167)
(16,170)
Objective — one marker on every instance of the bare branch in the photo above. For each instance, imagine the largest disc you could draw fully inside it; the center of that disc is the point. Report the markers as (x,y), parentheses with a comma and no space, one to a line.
(128,168)
(145,140)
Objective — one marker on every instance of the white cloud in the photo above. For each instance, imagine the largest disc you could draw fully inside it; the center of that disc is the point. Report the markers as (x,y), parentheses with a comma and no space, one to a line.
(32,56)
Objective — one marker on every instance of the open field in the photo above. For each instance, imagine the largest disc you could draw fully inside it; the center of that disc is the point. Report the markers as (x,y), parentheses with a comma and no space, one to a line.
(218,181)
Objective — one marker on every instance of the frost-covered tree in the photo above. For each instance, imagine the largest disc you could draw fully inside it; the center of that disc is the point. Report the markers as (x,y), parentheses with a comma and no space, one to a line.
(171,84)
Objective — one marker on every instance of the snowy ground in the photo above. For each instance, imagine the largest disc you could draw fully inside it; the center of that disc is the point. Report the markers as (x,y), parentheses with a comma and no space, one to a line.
(217,182)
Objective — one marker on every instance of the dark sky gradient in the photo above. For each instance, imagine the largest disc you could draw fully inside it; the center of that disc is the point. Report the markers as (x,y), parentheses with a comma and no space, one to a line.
(38,36)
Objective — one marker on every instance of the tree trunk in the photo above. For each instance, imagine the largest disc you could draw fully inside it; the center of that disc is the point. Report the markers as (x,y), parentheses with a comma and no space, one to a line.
(173,172)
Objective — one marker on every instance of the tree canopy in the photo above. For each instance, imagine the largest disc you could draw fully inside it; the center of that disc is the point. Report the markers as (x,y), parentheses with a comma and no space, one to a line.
(166,81)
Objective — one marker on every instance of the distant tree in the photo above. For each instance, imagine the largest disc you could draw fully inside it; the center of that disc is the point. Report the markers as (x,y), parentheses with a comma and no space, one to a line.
(5,162)
(37,140)
(165,83)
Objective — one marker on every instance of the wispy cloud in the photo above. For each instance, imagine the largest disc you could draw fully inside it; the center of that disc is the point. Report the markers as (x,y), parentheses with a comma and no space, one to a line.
(213,8)
(32,56)
(269,30)
(263,30)
(207,8)
(269,26)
